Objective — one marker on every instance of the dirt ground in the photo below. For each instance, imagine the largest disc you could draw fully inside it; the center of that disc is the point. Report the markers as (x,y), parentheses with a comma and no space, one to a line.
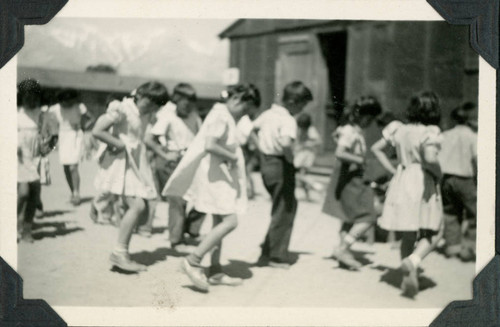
(68,264)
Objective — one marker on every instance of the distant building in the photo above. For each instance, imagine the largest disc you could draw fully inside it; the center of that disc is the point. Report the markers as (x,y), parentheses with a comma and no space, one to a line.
(342,60)
(96,87)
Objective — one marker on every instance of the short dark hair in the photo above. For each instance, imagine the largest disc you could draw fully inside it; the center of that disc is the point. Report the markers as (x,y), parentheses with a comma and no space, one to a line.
(248,92)
(154,91)
(30,91)
(424,109)
(462,114)
(367,106)
(186,90)
(67,95)
(296,92)
(385,118)
(304,120)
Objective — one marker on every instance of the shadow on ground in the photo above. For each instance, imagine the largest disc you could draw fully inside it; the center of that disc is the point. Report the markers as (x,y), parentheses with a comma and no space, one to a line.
(238,268)
(394,277)
(54,213)
(52,229)
(149,258)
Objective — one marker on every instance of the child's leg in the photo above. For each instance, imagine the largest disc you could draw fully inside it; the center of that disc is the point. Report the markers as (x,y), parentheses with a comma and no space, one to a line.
(408,240)
(136,207)
(69,178)
(349,233)
(22,203)
(75,178)
(147,228)
(225,225)
(215,266)
(29,212)
(119,257)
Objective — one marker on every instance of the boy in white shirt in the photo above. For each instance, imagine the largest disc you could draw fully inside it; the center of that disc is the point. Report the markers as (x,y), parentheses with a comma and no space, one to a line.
(277,130)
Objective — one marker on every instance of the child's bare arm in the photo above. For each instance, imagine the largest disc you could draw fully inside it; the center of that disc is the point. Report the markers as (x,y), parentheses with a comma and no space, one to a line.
(101,132)
(152,143)
(377,149)
(342,154)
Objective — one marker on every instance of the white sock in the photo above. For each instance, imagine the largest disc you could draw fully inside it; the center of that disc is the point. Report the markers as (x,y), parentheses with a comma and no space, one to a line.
(120,249)
(415,260)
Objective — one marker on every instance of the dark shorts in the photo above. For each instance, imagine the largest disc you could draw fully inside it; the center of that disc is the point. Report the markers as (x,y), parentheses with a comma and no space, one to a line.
(162,170)
(459,196)
(349,197)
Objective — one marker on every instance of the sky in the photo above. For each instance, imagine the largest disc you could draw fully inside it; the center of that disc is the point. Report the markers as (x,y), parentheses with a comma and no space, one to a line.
(181,49)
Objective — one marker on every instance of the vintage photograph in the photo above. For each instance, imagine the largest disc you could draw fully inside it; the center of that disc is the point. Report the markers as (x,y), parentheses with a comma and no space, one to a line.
(247,163)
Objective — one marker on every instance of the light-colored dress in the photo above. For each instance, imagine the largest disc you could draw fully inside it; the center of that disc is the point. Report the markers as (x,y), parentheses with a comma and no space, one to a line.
(405,208)
(127,173)
(349,198)
(206,180)
(68,121)
(27,146)
(306,146)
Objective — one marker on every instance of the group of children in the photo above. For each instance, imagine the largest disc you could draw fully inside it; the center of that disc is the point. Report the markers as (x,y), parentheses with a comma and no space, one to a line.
(422,180)
(40,128)
(156,147)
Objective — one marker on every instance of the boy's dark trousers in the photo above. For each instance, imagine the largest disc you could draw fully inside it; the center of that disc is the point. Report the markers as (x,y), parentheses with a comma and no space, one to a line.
(459,195)
(279,179)
(178,223)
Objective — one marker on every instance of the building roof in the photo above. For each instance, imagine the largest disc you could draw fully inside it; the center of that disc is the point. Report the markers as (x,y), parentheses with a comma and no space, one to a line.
(252,27)
(105,82)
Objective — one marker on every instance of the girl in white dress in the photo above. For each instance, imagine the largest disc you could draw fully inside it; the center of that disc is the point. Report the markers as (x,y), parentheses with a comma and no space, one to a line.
(211,176)
(71,118)
(124,168)
(35,139)
(413,204)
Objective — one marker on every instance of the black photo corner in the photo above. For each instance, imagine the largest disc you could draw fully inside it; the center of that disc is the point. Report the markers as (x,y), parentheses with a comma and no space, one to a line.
(482,16)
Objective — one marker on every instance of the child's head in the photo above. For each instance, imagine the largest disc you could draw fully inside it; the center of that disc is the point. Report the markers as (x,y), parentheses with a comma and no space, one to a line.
(385,118)
(424,109)
(365,110)
(465,114)
(30,94)
(149,97)
(67,98)
(184,96)
(296,96)
(242,99)
(304,121)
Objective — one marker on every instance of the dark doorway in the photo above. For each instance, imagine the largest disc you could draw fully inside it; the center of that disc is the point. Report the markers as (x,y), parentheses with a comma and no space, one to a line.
(334,48)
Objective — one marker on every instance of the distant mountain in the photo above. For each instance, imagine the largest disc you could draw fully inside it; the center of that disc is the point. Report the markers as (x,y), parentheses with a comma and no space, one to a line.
(172,49)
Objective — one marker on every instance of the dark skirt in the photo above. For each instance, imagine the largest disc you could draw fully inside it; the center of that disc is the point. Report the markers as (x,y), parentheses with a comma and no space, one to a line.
(349,197)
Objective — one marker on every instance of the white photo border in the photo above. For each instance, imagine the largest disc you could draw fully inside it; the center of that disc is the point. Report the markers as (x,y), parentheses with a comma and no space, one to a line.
(224,9)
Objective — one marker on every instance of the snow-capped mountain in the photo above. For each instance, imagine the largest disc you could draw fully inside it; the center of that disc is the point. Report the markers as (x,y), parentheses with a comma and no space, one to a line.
(174,49)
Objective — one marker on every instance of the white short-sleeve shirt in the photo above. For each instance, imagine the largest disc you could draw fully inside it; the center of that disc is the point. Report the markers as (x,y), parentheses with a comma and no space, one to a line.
(273,126)
(178,132)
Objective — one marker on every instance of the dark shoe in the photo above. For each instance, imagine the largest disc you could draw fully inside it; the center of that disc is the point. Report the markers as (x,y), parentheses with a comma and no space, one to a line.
(196,275)
(409,286)
(263,261)
(123,262)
